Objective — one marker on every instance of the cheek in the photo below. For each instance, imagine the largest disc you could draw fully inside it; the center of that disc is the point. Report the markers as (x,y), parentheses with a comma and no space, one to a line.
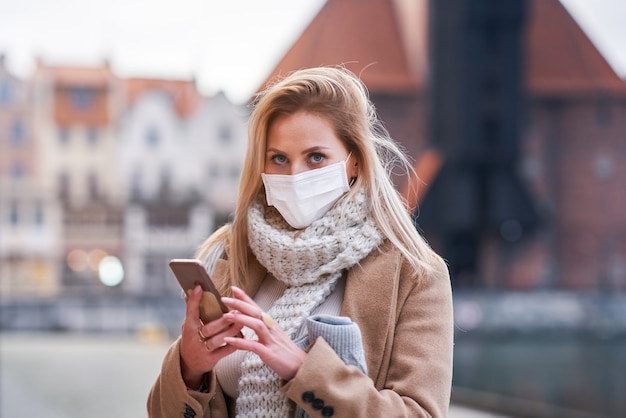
(266,166)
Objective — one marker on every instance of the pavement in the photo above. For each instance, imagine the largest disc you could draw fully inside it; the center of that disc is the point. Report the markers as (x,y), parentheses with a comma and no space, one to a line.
(96,376)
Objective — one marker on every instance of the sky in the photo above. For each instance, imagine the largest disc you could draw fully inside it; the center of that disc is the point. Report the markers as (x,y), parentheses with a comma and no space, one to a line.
(227,45)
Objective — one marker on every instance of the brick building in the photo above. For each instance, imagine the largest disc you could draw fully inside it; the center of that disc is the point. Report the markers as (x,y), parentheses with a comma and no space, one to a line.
(517,96)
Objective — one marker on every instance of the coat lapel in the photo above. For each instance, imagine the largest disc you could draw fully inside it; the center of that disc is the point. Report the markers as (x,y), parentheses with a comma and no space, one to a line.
(370,300)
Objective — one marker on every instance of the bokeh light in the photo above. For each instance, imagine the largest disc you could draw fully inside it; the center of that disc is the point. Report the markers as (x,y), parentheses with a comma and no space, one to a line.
(77,260)
(111,271)
(95,257)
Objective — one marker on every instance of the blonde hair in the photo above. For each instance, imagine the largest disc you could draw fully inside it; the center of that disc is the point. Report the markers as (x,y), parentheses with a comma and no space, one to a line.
(337,95)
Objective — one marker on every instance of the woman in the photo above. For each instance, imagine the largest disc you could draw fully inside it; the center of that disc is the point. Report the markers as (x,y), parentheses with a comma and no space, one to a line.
(345,309)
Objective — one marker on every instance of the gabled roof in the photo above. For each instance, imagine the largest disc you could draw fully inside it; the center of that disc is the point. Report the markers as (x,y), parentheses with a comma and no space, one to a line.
(560,58)
(183,93)
(82,76)
(385,42)
(80,94)
(378,40)
(99,76)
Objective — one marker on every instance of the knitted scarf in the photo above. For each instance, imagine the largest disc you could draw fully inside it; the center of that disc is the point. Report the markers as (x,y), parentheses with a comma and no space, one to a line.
(309,262)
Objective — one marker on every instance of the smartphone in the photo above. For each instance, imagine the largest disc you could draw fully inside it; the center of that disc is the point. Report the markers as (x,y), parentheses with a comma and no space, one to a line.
(190,273)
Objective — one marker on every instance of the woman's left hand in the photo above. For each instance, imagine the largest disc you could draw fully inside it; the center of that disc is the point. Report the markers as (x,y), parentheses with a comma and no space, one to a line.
(274,347)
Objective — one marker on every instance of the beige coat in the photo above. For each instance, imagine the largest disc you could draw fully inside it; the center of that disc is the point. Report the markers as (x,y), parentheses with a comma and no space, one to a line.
(407,328)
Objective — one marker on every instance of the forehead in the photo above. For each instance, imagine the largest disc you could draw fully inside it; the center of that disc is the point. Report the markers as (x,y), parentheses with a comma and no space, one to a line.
(301,130)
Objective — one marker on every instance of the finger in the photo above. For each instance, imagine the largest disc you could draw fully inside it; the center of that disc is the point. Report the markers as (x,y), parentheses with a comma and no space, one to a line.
(193,303)
(240,306)
(240,294)
(243,303)
(219,351)
(233,330)
(220,325)
(244,344)
(256,324)
(266,318)
(217,346)
(218,340)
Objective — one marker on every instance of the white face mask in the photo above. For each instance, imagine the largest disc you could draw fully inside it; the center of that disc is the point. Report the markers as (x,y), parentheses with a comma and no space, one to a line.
(305,197)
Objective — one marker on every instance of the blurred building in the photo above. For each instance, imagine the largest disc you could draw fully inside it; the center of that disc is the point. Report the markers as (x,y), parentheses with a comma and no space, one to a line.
(94,167)
(75,116)
(180,156)
(516,102)
(153,139)
(218,136)
(30,222)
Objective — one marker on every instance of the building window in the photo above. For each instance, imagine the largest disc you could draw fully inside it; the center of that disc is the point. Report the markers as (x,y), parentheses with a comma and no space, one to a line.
(153,137)
(5,92)
(165,186)
(82,98)
(18,139)
(14,214)
(603,167)
(64,135)
(64,186)
(92,185)
(135,184)
(18,172)
(155,268)
(92,135)
(39,214)
(225,133)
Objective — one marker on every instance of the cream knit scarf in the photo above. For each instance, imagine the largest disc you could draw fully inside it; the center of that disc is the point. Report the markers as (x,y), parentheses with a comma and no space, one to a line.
(309,262)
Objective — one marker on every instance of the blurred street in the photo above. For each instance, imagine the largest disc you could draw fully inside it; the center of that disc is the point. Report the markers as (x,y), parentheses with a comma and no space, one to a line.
(96,376)
(67,375)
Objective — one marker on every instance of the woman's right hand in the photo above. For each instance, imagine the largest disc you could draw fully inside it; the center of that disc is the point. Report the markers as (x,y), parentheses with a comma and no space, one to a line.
(198,355)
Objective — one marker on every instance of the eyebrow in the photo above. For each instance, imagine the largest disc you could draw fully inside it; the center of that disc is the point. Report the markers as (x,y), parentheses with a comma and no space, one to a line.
(306,151)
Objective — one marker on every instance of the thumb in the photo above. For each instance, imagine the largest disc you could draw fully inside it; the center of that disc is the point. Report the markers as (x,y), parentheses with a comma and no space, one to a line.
(193,303)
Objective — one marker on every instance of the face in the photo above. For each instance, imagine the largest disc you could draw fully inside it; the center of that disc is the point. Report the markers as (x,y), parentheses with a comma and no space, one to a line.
(304,141)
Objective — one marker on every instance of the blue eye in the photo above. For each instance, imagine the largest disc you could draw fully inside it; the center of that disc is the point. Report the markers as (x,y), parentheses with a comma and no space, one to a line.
(317,158)
(279,159)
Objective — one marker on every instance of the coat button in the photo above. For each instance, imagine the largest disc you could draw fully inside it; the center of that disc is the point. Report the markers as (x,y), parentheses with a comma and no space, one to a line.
(189,412)
(328,411)
(308,397)
(318,404)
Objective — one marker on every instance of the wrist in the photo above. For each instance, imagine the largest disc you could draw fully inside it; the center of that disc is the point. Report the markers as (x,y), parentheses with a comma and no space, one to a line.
(299,360)
(191,378)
